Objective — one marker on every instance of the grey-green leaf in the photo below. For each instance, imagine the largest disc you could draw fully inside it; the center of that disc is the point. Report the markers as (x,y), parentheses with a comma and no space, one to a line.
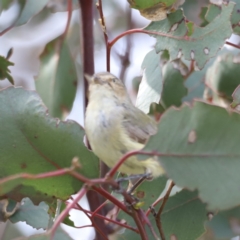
(35,216)
(201,45)
(34,142)
(151,85)
(57,79)
(200,150)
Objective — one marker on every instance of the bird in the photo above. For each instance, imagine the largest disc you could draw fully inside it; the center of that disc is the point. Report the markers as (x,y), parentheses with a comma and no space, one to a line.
(114,126)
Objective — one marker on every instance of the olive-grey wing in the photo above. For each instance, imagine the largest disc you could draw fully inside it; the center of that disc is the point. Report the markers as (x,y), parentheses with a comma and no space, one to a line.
(138,125)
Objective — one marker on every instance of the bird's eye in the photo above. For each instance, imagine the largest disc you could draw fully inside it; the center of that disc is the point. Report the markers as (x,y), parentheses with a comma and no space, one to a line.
(114,79)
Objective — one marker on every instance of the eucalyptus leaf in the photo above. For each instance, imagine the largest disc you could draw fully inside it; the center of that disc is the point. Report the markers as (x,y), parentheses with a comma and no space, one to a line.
(35,216)
(204,43)
(151,85)
(34,142)
(57,79)
(199,150)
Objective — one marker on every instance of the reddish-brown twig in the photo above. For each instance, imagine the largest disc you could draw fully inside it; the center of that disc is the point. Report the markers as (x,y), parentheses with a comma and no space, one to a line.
(158,216)
(108,219)
(65,212)
(104,29)
(125,58)
(91,218)
(36,176)
(232,44)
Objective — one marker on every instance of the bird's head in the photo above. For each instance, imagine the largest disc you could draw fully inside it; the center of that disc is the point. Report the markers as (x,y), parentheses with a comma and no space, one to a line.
(106,81)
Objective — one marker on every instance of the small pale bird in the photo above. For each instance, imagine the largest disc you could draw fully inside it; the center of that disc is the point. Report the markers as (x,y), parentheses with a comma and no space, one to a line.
(114,126)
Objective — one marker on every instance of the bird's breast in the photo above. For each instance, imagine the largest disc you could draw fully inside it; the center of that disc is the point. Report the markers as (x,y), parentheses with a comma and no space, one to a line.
(102,123)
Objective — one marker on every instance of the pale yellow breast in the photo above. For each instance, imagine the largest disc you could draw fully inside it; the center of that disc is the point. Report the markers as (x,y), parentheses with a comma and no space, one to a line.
(108,138)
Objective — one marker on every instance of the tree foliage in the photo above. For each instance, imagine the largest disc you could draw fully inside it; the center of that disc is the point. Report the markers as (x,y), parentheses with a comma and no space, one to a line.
(189,84)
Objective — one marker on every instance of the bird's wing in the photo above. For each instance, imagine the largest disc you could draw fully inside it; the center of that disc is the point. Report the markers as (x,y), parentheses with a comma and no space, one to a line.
(138,125)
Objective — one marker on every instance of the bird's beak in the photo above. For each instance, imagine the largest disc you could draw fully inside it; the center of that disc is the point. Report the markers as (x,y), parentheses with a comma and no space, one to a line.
(89,78)
(92,79)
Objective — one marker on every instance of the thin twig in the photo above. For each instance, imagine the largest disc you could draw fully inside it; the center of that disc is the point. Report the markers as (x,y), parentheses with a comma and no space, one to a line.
(125,59)
(85,226)
(151,208)
(100,207)
(115,168)
(111,198)
(102,23)
(110,220)
(66,211)
(91,218)
(36,176)
(158,216)
(104,29)
(103,167)
(136,216)
(232,44)
(146,220)
(140,30)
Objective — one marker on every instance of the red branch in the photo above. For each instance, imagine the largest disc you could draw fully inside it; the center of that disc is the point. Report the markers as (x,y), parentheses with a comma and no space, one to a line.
(65,212)
(158,216)
(232,44)
(87,212)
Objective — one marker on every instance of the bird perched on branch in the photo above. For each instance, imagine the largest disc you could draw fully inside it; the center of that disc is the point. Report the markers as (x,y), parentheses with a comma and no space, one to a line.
(114,126)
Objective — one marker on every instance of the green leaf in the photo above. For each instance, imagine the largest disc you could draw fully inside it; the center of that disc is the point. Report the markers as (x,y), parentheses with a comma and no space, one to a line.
(9,183)
(221,76)
(4,71)
(35,216)
(59,235)
(167,89)
(143,4)
(202,16)
(200,150)
(149,191)
(236,18)
(182,211)
(225,224)
(203,44)
(151,85)
(29,9)
(57,80)
(212,12)
(173,87)
(155,10)
(236,97)
(67,219)
(190,27)
(56,6)
(5,4)
(195,83)
(33,142)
